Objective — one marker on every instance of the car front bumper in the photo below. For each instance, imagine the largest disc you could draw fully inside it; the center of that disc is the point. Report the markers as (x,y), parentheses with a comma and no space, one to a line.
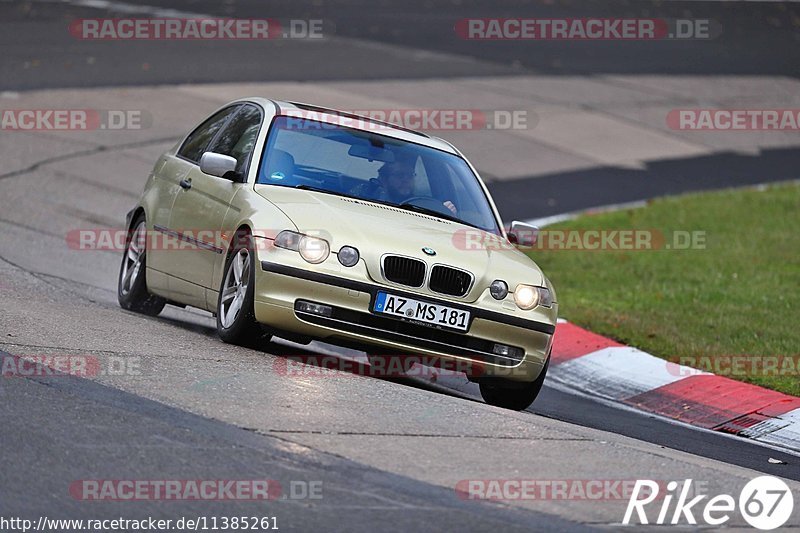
(279,288)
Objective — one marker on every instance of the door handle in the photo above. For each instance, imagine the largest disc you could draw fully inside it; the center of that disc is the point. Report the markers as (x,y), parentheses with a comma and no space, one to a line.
(186,184)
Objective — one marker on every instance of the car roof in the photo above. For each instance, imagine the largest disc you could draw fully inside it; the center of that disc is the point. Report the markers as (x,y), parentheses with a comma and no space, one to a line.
(325,114)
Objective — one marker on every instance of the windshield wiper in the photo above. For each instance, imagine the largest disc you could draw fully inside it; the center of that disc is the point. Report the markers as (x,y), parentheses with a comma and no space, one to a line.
(431,212)
(304,187)
(312,188)
(435,213)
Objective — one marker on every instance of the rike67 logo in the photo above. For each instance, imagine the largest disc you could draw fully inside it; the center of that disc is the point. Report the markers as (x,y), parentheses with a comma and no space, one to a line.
(765,503)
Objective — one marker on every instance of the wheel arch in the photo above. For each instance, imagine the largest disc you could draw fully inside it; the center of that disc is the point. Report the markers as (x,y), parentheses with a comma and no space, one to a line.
(133,214)
(243,228)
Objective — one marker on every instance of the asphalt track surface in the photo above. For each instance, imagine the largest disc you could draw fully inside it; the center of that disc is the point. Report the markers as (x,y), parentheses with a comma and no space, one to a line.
(209,411)
(415,40)
(755,38)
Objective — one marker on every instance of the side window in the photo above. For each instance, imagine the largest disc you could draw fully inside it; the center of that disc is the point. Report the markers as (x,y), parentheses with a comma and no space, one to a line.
(194,145)
(239,137)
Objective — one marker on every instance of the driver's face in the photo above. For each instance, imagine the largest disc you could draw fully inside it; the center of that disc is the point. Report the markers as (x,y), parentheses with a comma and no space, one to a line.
(399,182)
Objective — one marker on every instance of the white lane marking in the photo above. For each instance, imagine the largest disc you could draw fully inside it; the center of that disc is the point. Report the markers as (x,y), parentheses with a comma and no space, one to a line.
(618,372)
(568,389)
(125,7)
(789,435)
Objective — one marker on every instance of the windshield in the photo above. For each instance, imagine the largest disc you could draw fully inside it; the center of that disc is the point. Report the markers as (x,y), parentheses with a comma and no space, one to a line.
(349,162)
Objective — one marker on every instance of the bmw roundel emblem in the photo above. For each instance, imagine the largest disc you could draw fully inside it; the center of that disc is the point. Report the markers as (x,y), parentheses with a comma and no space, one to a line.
(429,251)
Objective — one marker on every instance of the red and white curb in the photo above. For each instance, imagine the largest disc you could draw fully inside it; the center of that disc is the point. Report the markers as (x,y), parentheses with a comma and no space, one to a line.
(600,367)
(591,365)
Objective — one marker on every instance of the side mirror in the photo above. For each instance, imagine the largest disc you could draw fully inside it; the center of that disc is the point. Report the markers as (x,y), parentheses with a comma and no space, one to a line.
(523,234)
(218,165)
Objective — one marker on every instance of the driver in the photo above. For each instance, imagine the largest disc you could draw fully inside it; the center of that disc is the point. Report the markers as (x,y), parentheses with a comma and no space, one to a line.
(395,183)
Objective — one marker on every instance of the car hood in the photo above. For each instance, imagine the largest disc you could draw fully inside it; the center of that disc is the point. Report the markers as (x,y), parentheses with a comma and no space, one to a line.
(377,229)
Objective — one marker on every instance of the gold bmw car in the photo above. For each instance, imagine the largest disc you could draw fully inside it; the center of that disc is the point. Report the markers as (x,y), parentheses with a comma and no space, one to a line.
(308,223)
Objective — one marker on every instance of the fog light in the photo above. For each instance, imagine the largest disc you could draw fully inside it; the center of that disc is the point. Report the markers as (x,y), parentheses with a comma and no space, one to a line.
(314,309)
(348,256)
(507,351)
(498,289)
(501,349)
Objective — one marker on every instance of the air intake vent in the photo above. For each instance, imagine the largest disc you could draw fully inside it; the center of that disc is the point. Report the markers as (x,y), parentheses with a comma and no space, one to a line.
(404,270)
(452,281)
(395,209)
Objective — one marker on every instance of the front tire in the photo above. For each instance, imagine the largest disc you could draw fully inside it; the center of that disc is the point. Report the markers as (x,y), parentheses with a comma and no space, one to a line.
(514,396)
(236,320)
(132,292)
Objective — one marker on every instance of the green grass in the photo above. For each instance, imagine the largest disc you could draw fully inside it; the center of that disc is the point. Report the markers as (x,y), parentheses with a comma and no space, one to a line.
(738,296)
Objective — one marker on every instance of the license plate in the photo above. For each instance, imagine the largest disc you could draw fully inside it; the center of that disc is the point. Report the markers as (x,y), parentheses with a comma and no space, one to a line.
(424,312)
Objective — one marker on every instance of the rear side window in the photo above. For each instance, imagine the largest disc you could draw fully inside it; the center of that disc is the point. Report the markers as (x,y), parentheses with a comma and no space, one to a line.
(195,144)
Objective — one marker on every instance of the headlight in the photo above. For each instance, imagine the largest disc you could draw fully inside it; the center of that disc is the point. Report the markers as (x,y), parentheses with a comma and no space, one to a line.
(498,289)
(527,297)
(312,249)
(348,256)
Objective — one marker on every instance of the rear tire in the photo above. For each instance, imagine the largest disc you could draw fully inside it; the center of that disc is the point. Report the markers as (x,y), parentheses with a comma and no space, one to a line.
(132,292)
(515,396)
(236,319)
